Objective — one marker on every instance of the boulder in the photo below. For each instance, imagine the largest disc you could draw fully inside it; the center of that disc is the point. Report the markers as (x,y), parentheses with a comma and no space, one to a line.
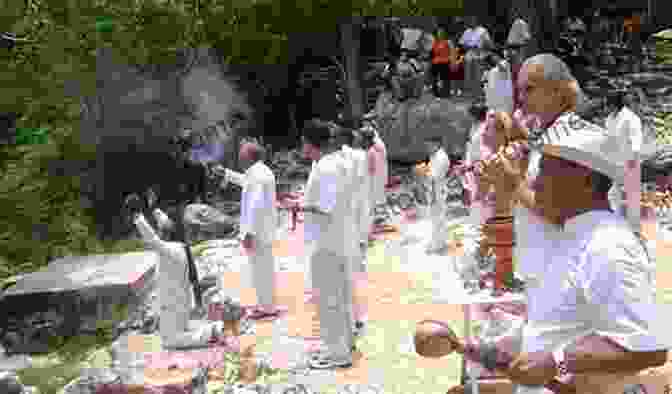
(405,126)
(204,222)
(10,383)
(74,295)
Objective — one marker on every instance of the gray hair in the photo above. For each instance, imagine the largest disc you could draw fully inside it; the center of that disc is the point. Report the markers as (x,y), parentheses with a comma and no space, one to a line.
(555,69)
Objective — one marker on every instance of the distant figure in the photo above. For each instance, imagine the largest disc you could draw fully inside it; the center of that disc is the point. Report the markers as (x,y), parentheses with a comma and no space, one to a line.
(632,31)
(439,166)
(499,86)
(476,41)
(441,53)
(517,50)
(403,77)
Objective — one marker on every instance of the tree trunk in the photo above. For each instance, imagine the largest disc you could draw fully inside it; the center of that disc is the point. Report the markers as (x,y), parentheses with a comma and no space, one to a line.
(350,43)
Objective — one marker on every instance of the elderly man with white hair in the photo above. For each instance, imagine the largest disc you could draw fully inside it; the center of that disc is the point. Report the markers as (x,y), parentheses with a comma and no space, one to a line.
(591,321)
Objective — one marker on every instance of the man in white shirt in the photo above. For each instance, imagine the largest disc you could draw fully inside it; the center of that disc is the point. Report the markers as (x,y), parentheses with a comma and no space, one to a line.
(623,121)
(439,166)
(592,313)
(499,86)
(258,222)
(476,41)
(328,219)
(601,279)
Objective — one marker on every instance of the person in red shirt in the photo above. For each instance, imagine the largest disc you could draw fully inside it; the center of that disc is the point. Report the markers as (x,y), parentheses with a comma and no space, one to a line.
(441,51)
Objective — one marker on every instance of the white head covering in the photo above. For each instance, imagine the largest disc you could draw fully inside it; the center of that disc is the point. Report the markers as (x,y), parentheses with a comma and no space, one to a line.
(614,153)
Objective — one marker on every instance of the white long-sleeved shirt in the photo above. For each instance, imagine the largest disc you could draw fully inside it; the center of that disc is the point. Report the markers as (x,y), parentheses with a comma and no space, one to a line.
(330,189)
(258,213)
(174,285)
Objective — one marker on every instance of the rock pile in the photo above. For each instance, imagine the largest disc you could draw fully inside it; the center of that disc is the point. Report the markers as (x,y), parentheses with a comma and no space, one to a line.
(11,384)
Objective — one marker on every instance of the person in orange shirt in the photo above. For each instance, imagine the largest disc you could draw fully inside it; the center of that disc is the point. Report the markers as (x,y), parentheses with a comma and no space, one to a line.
(441,51)
(632,27)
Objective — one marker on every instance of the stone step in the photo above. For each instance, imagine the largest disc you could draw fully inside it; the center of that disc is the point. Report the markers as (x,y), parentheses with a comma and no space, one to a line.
(74,295)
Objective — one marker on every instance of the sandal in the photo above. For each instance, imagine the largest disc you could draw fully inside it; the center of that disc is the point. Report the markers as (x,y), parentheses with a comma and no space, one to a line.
(324,361)
(258,314)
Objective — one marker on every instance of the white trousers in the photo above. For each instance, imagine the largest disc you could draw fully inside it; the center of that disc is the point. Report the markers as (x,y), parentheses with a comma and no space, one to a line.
(437,212)
(331,277)
(177,331)
(262,265)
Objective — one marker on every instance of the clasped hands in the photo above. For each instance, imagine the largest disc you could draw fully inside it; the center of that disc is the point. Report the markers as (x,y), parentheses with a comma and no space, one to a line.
(505,171)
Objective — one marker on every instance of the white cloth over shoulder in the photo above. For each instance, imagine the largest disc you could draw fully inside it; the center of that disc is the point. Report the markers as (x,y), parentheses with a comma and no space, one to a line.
(362,187)
(601,280)
(258,213)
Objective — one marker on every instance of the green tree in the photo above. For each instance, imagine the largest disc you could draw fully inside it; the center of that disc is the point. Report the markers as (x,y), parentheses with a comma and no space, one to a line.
(45,78)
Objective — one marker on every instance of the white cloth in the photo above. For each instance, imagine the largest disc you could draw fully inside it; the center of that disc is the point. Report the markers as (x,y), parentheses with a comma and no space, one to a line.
(439,166)
(380,180)
(626,124)
(499,89)
(258,213)
(175,294)
(519,33)
(262,266)
(476,37)
(598,280)
(361,180)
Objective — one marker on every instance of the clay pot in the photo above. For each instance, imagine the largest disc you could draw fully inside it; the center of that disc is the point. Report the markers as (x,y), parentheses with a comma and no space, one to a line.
(248,366)
(232,328)
(499,235)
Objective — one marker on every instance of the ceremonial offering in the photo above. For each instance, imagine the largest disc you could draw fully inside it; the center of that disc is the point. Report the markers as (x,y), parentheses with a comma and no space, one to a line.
(499,233)
(430,343)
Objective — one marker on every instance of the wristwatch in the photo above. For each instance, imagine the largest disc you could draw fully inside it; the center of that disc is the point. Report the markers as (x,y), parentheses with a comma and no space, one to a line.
(560,362)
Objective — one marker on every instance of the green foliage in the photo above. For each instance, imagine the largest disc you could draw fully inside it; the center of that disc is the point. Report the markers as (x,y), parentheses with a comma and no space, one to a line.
(663,125)
(45,78)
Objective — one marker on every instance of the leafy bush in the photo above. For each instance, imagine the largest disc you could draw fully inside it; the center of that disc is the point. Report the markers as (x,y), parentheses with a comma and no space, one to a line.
(663,124)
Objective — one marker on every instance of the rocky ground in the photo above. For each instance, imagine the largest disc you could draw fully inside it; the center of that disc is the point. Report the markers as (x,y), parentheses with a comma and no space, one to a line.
(402,282)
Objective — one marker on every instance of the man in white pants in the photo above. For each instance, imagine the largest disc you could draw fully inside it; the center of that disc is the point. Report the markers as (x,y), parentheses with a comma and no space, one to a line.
(439,166)
(258,221)
(328,218)
(176,328)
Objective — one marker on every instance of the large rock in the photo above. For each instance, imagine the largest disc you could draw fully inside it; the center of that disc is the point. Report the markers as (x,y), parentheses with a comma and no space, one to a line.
(405,126)
(74,295)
